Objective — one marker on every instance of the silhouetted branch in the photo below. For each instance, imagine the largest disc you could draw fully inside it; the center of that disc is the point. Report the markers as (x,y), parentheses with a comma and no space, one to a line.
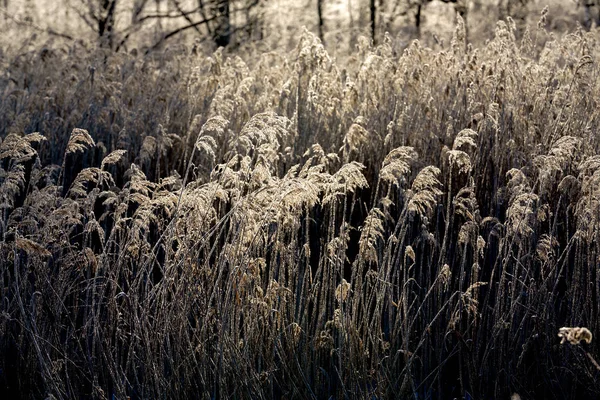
(180,30)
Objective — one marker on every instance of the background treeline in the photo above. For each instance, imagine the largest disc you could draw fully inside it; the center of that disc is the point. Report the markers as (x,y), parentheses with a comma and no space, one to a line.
(412,223)
(147,25)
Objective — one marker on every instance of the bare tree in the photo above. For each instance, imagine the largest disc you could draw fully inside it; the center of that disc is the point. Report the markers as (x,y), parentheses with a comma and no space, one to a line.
(211,19)
(99,16)
(415,8)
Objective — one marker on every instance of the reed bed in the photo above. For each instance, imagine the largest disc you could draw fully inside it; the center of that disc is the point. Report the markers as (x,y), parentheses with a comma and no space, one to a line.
(415,224)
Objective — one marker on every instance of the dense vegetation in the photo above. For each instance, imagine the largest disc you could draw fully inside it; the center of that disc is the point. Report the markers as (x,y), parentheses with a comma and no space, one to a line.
(402,224)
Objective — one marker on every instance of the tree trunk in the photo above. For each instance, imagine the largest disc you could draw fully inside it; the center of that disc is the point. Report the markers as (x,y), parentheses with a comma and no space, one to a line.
(223,31)
(106,22)
(502,9)
(373,9)
(591,15)
(159,25)
(418,20)
(320,13)
(462,7)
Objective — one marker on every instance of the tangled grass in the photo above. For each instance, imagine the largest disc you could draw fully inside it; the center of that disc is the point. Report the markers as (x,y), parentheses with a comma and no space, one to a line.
(415,225)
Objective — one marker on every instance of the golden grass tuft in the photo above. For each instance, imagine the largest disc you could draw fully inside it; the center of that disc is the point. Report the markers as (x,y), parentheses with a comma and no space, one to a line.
(79,141)
(574,336)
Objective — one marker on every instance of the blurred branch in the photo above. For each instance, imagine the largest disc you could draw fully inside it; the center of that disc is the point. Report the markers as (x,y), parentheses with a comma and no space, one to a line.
(31,24)
(180,30)
(203,14)
(204,21)
(83,16)
(593,361)
(138,7)
(167,15)
(185,14)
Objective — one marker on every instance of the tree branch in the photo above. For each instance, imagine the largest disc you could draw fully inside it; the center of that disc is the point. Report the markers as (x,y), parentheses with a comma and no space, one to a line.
(167,15)
(179,30)
(186,16)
